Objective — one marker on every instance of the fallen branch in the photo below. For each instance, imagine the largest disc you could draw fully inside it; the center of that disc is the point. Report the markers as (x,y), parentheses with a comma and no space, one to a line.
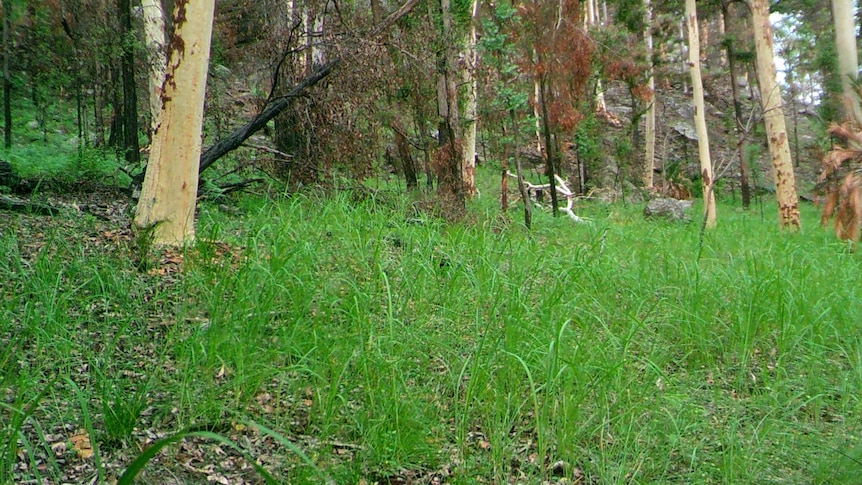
(562,189)
(269,150)
(279,104)
(276,106)
(232,187)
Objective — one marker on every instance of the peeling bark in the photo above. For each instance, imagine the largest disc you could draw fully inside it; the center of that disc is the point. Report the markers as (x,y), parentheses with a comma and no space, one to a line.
(167,205)
(471,57)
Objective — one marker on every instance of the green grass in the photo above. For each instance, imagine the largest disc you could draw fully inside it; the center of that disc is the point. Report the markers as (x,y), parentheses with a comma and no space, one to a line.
(381,344)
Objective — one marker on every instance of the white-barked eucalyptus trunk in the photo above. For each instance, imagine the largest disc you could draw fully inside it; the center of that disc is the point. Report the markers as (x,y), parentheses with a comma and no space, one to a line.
(649,129)
(773,118)
(699,114)
(591,19)
(848,58)
(168,196)
(154,33)
(471,57)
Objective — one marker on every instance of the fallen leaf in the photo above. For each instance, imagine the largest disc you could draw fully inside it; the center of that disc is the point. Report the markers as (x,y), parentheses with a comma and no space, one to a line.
(81,444)
(218,479)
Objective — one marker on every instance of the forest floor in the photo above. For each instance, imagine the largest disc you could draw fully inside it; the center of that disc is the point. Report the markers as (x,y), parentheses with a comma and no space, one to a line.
(351,339)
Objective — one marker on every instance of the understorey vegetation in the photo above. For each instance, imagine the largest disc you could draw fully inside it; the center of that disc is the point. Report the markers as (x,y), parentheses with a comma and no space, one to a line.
(404,242)
(354,339)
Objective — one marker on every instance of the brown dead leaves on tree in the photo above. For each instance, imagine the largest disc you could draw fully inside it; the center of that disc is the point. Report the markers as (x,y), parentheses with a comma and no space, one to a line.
(840,182)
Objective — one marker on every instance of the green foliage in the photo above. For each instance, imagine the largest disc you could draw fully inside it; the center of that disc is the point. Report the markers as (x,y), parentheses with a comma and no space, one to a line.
(122,402)
(588,142)
(359,325)
(826,61)
(50,163)
(462,12)
(630,13)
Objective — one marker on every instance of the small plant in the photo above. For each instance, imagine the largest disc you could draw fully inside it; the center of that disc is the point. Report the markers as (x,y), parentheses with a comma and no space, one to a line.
(143,247)
(122,404)
(15,410)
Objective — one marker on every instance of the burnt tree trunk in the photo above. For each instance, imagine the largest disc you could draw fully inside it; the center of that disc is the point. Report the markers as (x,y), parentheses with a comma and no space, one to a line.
(131,149)
(408,165)
(115,135)
(744,184)
(550,149)
(7,81)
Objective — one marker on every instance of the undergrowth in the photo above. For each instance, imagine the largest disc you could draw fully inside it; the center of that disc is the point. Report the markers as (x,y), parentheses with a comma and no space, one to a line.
(382,344)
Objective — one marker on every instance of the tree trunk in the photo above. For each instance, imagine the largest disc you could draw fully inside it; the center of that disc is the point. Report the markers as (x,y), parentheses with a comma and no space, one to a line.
(522,188)
(99,105)
(504,180)
(318,55)
(167,204)
(773,118)
(591,19)
(115,135)
(131,148)
(419,119)
(550,148)
(739,129)
(699,114)
(448,106)
(154,31)
(537,115)
(649,129)
(291,136)
(7,80)
(471,61)
(848,57)
(408,165)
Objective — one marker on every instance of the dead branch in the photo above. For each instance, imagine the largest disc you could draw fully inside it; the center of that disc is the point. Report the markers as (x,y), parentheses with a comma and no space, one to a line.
(272,109)
(233,187)
(562,189)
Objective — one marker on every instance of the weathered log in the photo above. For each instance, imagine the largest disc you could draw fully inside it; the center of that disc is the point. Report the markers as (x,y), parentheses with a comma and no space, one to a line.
(8,178)
(26,207)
